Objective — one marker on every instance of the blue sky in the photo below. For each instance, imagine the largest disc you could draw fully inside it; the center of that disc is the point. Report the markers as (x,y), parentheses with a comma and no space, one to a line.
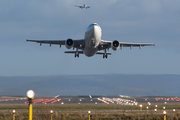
(145,21)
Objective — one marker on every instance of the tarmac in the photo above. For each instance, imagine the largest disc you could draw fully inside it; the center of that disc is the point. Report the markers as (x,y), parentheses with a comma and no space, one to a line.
(91,100)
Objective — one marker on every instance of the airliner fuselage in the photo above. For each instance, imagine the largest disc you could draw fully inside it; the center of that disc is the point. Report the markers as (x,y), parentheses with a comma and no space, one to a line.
(92,39)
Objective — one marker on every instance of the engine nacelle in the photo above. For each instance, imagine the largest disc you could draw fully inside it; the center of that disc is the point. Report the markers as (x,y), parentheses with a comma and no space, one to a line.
(115,45)
(69,43)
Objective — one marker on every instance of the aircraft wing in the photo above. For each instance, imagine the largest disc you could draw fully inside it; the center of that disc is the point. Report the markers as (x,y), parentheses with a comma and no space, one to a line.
(78,6)
(77,43)
(107,44)
(91,6)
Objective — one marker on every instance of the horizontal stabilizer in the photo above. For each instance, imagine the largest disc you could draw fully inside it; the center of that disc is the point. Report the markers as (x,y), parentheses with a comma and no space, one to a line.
(80,52)
(101,53)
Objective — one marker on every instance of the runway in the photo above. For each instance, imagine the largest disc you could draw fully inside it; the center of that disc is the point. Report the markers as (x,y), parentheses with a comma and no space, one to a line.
(95,100)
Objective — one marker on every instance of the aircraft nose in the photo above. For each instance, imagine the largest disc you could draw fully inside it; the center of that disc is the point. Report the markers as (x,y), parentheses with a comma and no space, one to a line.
(94,28)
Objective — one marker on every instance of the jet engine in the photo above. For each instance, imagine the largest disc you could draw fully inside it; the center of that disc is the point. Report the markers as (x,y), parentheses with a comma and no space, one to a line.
(69,43)
(115,45)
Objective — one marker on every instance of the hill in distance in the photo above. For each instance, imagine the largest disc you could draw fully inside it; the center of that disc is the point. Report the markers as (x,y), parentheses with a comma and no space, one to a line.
(112,84)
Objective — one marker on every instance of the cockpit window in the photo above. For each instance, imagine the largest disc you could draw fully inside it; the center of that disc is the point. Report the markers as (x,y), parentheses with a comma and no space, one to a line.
(91,25)
(95,24)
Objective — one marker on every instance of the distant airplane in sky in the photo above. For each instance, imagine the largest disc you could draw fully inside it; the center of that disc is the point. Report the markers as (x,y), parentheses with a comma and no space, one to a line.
(92,43)
(84,6)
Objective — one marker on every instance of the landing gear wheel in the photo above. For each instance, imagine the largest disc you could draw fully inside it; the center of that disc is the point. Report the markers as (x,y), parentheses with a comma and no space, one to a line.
(105,55)
(76,53)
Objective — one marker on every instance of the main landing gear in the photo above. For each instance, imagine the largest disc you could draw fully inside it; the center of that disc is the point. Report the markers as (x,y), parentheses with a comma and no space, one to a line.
(105,54)
(76,53)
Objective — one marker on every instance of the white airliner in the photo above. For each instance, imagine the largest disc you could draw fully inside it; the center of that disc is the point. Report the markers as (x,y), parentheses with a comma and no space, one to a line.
(92,43)
(84,6)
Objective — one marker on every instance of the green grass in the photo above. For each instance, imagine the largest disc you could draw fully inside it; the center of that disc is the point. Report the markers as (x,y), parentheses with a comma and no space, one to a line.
(82,115)
(80,112)
(96,107)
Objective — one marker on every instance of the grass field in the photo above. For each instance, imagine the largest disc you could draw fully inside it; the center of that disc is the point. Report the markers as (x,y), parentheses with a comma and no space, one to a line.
(80,112)
(90,107)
